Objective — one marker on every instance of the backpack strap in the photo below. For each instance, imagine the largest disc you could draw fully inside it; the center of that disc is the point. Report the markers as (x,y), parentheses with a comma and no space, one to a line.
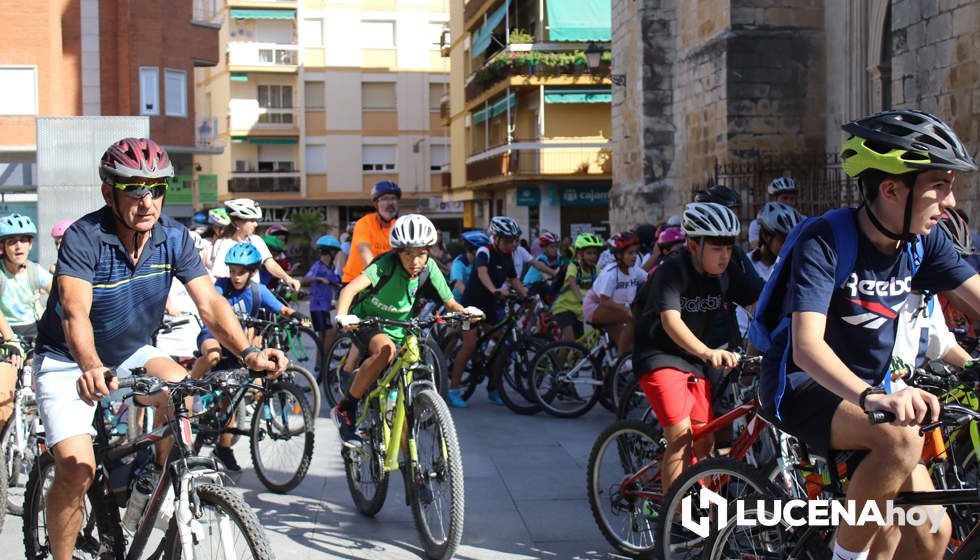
(256,298)
(387,271)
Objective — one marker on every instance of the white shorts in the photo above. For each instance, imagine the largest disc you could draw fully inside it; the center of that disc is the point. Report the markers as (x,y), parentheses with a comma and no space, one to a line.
(63,413)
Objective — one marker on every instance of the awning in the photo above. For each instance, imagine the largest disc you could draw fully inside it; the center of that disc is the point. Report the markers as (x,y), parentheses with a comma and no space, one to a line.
(482,37)
(495,108)
(239,77)
(579,20)
(263,14)
(577,95)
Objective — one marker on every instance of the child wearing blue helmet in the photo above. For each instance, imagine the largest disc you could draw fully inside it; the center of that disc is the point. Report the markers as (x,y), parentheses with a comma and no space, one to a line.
(462,267)
(23,283)
(246,298)
(322,279)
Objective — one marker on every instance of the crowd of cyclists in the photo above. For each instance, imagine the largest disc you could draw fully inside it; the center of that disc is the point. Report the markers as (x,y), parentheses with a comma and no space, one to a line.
(832,303)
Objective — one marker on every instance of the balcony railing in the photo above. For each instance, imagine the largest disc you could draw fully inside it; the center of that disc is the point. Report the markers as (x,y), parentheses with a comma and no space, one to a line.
(264,182)
(530,160)
(262,54)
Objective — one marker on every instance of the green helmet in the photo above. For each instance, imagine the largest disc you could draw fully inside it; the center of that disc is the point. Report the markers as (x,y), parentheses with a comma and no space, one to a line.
(273,242)
(903,141)
(586,240)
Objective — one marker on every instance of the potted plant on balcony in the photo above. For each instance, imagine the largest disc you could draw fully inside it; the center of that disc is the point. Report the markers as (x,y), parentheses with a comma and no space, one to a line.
(520,37)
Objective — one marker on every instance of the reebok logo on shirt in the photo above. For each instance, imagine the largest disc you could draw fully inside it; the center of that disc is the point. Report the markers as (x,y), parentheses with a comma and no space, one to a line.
(701,304)
(881,288)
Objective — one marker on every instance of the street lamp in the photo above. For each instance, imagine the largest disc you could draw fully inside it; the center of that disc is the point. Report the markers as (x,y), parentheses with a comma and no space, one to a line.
(593,56)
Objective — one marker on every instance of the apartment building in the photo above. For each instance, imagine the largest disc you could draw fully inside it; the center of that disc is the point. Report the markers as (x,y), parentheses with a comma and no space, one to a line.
(317,101)
(92,58)
(529,112)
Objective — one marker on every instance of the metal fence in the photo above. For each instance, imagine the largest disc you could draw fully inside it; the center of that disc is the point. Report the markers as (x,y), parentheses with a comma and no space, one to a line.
(822,182)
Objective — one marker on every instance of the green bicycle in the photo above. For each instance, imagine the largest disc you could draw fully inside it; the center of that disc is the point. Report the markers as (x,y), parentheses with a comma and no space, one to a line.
(405,413)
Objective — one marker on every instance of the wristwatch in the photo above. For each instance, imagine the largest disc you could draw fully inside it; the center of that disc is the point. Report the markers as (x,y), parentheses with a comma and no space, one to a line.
(876,390)
(248,351)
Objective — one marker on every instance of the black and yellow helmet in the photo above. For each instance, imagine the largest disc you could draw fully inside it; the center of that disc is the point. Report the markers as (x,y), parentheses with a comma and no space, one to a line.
(903,141)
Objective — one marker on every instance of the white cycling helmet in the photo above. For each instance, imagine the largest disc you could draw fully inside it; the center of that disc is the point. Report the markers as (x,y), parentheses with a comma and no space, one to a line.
(504,226)
(244,209)
(412,230)
(709,219)
(781,185)
(780,218)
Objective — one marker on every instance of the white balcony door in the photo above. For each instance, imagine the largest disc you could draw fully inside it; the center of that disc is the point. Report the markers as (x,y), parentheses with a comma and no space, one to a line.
(274,31)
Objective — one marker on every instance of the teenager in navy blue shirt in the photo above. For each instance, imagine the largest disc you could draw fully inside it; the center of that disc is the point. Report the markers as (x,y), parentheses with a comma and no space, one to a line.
(842,337)
(115,266)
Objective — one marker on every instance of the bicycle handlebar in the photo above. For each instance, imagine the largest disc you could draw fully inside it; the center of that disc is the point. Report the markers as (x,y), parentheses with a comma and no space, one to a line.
(416,323)
(949,415)
(145,385)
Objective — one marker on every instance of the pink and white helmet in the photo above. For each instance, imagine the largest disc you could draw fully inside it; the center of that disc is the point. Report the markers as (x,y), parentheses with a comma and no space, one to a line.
(670,235)
(135,157)
(61,226)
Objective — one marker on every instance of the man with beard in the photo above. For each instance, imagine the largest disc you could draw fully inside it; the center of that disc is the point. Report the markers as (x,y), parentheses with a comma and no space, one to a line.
(370,238)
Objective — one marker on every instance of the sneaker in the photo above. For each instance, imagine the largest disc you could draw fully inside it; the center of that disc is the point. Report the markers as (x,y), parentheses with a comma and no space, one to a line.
(494,397)
(455,399)
(343,417)
(227,458)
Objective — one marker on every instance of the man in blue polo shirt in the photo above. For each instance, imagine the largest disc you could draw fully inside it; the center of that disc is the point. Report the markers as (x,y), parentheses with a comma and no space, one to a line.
(115,267)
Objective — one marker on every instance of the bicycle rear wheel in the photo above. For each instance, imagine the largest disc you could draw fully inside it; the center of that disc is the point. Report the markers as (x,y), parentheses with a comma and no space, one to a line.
(565,380)
(229,529)
(37,546)
(18,461)
(282,437)
(307,385)
(619,379)
(733,481)
(625,514)
(634,405)
(437,494)
(512,370)
(367,478)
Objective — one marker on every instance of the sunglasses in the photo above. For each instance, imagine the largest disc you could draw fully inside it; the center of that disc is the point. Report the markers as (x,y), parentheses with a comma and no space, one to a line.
(139,190)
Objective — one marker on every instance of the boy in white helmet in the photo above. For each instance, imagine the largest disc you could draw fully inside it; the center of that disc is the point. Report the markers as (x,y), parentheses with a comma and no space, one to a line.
(388,288)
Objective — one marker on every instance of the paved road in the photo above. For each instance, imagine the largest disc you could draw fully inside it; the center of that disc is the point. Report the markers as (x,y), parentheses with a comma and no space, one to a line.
(525,496)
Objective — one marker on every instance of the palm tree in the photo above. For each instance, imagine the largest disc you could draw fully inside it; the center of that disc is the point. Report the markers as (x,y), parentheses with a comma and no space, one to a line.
(305,227)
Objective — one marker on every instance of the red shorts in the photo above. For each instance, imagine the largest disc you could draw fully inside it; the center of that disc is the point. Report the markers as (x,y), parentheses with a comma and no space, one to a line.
(676,395)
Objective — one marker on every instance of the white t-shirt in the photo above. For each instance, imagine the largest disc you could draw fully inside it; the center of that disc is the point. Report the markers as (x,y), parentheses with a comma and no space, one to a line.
(221,247)
(521,258)
(617,285)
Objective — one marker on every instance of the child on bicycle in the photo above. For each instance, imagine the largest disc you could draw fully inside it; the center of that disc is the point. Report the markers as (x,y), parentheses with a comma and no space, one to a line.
(607,303)
(390,287)
(246,298)
(675,313)
(462,267)
(579,276)
(493,270)
(534,280)
(322,279)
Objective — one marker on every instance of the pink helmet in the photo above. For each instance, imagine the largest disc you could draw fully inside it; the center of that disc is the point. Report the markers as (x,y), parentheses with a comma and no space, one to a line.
(277,229)
(135,157)
(547,238)
(670,235)
(60,226)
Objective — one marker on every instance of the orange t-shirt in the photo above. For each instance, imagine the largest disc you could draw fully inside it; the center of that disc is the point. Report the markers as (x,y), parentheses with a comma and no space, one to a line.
(367,230)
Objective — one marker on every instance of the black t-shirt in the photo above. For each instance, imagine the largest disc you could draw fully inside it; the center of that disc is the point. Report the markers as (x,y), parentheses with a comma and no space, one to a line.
(676,285)
(500,268)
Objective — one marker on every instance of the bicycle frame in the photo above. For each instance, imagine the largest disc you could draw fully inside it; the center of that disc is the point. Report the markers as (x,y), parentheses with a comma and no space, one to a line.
(740,447)
(181,471)
(406,360)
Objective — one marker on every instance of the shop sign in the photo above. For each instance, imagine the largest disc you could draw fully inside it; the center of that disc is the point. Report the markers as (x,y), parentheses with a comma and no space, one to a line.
(585,196)
(528,196)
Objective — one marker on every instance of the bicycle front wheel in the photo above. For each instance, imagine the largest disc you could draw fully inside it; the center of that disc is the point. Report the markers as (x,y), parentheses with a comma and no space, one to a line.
(229,529)
(282,437)
(624,508)
(734,481)
(367,478)
(437,493)
(566,382)
(37,545)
